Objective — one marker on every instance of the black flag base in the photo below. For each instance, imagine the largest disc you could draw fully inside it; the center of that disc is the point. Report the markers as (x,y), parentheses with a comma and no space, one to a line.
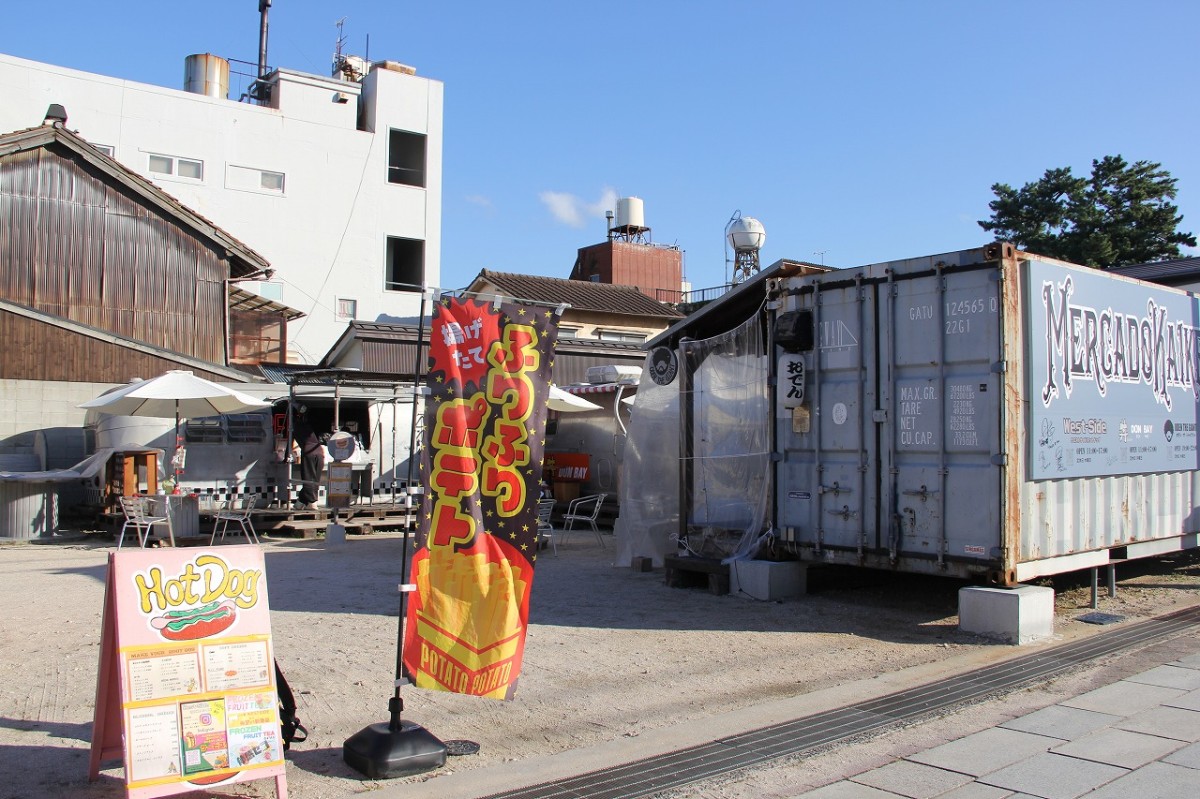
(382,753)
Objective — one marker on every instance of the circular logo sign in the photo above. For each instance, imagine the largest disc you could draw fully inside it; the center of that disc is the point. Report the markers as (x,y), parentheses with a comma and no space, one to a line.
(663,366)
(341,446)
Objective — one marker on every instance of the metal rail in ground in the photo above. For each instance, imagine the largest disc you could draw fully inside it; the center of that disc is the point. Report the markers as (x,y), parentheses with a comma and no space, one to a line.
(653,775)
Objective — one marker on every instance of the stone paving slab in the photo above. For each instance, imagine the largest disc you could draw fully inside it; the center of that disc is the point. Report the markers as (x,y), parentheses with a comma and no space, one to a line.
(1189,701)
(1124,698)
(846,790)
(1191,661)
(1118,747)
(1187,756)
(975,790)
(1169,722)
(986,751)
(1054,776)
(1059,721)
(1153,781)
(913,780)
(1169,677)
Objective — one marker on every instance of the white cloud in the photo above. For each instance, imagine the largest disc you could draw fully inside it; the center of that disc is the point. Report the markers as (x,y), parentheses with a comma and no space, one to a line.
(480,200)
(574,211)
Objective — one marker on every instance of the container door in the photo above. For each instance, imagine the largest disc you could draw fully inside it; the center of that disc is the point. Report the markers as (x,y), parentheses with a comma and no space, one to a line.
(941,388)
(827,494)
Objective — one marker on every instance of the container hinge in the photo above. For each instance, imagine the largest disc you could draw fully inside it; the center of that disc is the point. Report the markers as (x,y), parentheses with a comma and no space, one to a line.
(879,416)
(1000,367)
(1000,459)
(777,457)
(845,513)
(773,305)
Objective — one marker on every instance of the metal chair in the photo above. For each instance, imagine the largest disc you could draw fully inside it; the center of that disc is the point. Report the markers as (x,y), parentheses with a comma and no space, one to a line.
(584,509)
(137,517)
(237,507)
(545,526)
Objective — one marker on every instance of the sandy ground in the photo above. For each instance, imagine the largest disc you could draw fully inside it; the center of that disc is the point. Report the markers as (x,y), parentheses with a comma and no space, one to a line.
(612,656)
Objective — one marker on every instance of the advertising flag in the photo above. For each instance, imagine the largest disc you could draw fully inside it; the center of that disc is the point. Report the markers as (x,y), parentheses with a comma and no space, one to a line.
(481,468)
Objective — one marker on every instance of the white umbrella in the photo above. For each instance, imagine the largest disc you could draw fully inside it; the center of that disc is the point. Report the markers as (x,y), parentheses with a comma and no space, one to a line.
(569,403)
(176,393)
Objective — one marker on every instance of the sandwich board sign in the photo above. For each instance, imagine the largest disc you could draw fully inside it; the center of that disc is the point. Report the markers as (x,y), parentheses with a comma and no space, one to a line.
(186,692)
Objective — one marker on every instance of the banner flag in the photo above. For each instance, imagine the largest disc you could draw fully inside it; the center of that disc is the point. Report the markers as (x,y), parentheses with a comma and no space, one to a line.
(481,469)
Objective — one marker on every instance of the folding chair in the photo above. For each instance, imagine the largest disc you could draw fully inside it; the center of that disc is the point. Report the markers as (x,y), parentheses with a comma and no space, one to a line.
(584,509)
(142,522)
(545,527)
(236,508)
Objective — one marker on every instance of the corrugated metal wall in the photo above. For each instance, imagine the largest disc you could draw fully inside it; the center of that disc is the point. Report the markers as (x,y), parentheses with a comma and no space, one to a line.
(76,358)
(75,246)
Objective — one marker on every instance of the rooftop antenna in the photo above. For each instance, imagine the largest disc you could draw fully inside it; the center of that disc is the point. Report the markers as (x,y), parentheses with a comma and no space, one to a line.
(821,254)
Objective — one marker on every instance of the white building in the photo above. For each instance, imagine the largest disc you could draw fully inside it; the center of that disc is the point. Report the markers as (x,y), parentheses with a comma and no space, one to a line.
(338,184)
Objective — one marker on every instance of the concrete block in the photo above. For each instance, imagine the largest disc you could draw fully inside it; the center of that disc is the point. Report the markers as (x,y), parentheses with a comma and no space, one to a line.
(1017,615)
(768,580)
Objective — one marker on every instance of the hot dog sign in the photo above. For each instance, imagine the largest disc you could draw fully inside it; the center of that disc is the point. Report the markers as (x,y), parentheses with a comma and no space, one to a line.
(186,692)
(201,601)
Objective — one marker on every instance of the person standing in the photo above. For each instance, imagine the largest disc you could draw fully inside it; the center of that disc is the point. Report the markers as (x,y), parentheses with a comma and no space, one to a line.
(312,459)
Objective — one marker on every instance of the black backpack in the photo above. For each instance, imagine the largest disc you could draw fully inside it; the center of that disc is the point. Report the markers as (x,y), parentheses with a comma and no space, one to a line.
(289,724)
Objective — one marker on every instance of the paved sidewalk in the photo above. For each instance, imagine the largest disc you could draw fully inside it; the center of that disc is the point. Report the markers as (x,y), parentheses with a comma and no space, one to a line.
(1135,738)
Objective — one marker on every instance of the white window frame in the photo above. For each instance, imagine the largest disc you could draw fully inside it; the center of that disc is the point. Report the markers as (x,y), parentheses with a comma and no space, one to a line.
(621,336)
(338,308)
(250,179)
(174,173)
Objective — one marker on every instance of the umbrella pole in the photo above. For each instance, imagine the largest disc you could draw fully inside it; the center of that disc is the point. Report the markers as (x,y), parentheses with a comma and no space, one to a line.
(175,456)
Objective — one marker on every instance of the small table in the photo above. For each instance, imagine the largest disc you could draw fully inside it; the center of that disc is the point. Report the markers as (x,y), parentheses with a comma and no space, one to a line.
(182,512)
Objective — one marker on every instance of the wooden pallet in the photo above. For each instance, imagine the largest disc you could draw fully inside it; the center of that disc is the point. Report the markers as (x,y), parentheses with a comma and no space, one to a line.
(693,572)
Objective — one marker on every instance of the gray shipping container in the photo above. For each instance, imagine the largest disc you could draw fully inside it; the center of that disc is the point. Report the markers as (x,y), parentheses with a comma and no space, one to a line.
(984,413)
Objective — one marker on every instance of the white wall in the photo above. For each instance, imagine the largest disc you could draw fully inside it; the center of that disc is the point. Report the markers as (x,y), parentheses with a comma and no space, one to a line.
(326,234)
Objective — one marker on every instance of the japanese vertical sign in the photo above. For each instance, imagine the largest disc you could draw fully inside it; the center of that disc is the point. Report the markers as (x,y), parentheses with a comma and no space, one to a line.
(485,421)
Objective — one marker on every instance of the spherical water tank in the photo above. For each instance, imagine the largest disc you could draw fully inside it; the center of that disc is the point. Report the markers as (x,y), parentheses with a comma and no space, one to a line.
(207,74)
(630,213)
(746,234)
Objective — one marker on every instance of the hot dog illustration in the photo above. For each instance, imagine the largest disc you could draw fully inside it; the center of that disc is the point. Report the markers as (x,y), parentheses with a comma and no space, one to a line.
(202,622)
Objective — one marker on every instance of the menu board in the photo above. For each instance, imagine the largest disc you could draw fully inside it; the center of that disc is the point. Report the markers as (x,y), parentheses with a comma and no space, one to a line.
(186,694)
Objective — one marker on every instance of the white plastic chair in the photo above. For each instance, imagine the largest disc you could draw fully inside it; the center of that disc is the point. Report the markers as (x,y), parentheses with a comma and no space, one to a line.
(141,521)
(584,509)
(236,508)
(545,526)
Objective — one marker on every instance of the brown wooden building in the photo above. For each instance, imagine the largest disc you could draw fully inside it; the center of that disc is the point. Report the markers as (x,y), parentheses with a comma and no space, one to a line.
(103,276)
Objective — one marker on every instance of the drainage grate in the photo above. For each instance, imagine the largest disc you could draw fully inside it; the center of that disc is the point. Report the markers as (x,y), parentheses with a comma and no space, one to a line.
(664,772)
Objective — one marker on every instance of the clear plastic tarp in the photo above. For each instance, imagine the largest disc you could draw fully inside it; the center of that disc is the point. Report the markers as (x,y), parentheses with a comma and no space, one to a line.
(727,461)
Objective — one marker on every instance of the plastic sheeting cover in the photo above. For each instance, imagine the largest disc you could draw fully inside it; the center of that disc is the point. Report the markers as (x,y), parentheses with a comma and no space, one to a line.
(730,457)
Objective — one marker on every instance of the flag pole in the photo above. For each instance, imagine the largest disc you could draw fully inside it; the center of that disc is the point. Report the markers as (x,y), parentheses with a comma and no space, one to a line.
(396,747)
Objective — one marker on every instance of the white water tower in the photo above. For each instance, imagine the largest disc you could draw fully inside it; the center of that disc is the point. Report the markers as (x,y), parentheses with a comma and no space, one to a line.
(746,235)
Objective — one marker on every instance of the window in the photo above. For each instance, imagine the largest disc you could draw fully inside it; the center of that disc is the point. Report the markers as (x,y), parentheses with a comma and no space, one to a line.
(247,178)
(621,336)
(246,427)
(405,267)
(568,332)
(204,431)
(347,309)
(179,167)
(406,158)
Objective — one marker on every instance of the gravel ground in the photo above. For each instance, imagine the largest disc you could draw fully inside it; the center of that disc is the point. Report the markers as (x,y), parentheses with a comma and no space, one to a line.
(611,655)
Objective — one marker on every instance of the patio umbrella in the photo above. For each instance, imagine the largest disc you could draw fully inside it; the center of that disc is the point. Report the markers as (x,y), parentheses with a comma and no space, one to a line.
(176,393)
(569,403)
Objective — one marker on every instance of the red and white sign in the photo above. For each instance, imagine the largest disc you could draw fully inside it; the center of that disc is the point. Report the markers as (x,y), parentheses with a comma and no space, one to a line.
(186,694)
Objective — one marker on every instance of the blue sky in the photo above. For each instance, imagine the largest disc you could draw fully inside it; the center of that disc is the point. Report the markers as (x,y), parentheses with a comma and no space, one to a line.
(865,131)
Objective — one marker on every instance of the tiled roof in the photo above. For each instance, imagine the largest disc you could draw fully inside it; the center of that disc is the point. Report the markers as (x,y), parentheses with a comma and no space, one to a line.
(581,295)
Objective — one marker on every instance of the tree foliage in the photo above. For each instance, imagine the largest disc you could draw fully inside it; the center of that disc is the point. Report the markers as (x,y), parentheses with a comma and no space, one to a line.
(1122,214)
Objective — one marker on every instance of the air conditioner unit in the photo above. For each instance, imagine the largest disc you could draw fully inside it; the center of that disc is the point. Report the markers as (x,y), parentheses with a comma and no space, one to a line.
(617,373)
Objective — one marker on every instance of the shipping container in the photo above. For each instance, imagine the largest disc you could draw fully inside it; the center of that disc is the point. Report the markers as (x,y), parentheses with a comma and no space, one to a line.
(985,413)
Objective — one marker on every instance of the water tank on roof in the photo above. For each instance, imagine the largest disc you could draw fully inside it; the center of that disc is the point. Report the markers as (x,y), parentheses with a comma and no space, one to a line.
(747,234)
(206,74)
(630,213)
